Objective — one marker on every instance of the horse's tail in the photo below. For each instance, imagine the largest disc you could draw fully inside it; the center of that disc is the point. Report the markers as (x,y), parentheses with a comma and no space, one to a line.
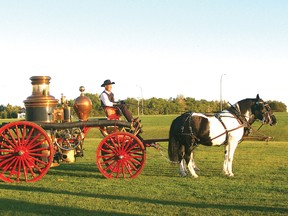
(173,144)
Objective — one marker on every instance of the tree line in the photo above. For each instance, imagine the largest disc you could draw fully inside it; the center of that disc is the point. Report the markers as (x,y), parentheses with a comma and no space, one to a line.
(151,106)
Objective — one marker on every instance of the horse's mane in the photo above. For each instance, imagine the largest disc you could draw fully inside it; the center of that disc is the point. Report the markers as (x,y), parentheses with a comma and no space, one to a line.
(243,105)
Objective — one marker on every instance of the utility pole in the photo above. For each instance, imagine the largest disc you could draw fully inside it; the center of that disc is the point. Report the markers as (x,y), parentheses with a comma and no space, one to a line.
(138,106)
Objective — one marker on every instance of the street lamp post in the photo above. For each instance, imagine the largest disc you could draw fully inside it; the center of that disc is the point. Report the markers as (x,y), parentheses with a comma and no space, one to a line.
(142,109)
(221,91)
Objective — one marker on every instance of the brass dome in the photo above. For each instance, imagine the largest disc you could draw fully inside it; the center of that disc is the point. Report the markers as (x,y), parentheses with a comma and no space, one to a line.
(82,105)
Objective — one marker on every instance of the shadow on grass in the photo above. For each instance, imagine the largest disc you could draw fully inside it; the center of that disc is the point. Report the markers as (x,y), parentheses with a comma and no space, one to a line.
(76,170)
(26,208)
(7,203)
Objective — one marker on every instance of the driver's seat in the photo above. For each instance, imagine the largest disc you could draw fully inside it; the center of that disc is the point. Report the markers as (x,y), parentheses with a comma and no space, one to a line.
(112,113)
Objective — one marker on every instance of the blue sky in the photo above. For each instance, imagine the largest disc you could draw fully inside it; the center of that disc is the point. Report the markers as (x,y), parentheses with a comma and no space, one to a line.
(150,48)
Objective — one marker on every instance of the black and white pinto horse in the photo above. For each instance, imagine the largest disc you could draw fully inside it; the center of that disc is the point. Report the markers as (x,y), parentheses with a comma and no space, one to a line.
(226,128)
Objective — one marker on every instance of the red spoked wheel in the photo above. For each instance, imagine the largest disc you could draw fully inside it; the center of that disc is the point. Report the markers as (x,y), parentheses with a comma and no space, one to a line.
(120,155)
(26,152)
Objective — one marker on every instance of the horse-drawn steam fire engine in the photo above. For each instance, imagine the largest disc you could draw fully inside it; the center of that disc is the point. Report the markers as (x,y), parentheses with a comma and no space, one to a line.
(28,148)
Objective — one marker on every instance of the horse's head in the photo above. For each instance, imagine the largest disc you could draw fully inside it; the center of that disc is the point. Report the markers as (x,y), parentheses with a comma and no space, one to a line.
(262,111)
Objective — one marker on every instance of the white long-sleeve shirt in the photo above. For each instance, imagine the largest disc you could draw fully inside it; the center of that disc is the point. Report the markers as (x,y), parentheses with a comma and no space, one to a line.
(104,98)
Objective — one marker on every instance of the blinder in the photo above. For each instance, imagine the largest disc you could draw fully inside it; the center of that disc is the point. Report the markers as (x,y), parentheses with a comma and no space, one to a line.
(263,112)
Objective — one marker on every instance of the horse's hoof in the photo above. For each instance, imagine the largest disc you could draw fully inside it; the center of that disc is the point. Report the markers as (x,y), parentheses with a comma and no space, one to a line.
(226,173)
(229,174)
(195,176)
(183,174)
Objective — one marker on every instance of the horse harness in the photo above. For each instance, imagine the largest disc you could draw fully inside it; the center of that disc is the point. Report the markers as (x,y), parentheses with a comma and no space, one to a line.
(242,121)
(194,138)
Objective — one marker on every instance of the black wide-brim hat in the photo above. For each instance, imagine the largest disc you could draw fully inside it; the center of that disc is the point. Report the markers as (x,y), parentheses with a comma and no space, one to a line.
(107,82)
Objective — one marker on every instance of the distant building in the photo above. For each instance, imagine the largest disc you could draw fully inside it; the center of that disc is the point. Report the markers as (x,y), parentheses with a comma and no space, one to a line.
(21,114)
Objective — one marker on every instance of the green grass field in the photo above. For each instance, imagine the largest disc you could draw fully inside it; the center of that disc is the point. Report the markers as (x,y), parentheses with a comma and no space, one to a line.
(259,186)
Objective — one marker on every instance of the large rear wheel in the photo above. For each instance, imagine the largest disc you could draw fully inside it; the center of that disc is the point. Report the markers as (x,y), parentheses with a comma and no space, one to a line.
(120,155)
(26,152)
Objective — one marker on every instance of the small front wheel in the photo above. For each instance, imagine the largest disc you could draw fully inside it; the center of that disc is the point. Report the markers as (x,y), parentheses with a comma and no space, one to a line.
(120,155)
